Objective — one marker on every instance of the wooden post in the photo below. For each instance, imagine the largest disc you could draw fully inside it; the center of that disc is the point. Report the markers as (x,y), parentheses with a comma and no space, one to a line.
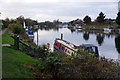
(61,36)
(37,37)
(16,42)
(15,37)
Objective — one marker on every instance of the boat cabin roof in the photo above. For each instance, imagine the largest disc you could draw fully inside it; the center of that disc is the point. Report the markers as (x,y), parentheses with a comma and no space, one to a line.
(66,43)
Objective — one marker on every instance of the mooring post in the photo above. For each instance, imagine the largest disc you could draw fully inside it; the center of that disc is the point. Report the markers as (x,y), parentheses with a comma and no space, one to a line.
(16,42)
(61,36)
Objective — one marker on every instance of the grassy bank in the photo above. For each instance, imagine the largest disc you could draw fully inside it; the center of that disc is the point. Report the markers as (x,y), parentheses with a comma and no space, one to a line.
(15,64)
(6,39)
(53,65)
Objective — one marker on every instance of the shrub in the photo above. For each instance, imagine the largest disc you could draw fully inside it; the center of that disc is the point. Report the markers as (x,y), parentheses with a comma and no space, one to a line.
(42,51)
(84,66)
(16,28)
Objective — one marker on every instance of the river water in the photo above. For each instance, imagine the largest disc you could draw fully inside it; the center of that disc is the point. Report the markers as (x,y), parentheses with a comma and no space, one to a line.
(108,44)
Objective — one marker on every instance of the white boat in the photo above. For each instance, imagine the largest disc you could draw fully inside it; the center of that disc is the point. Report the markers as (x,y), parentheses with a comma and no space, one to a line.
(108,30)
(79,27)
(31,37)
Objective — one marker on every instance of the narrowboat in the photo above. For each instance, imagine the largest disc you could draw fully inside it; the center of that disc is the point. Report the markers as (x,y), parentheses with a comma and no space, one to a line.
(69,49)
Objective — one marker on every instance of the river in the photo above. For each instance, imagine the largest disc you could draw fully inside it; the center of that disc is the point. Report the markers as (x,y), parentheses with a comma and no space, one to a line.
(108,44)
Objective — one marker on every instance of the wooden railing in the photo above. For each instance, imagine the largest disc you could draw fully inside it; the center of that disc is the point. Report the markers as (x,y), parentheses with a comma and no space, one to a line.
(18,44)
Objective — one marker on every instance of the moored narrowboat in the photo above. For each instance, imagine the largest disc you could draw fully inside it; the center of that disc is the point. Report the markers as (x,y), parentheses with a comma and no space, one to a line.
(69,49)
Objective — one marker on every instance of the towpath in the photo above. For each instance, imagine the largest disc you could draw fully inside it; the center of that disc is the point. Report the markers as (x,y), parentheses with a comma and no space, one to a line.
(3,31)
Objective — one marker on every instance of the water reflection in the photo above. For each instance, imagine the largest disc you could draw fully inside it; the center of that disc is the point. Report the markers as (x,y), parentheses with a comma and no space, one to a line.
(49,28)
(86,35)
(117,44)
(100,38)
(105,42)
(72,31)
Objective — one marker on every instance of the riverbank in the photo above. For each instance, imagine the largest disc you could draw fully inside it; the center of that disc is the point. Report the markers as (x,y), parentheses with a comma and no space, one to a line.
(52,65)
(101,26)
(16,64)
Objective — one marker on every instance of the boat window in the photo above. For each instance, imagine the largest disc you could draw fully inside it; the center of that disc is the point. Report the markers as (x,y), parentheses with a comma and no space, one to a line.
(65,50)
(69,52)
(91,49)
(72,53)
(62,47)
(57,44)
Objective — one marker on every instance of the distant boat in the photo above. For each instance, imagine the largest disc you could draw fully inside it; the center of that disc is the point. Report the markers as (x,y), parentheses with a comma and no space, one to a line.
(28,31)
(73,28)
(108,30)
(79,27)
(78,30)
(30,34)
(69,49)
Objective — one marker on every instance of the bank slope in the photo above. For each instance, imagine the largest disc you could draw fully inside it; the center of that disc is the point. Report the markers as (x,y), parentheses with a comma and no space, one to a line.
(16,64)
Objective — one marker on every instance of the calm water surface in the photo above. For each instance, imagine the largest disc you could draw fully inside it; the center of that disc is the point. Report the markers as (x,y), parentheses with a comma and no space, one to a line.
(106,43)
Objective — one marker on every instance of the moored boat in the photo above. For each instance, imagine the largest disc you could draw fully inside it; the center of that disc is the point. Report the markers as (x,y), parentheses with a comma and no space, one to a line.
(30,34)
(69,49)
(28,31)
(108,30)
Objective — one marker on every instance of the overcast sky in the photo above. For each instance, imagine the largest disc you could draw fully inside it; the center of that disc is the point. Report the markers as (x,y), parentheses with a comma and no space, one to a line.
(64,10)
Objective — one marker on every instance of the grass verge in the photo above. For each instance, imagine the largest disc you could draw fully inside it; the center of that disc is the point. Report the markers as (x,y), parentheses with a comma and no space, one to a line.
(6,39)
(15,64)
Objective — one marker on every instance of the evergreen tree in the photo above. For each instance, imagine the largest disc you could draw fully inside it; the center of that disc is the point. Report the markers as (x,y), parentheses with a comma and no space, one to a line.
(118,18)
(87,20)
(5,23)
(101,18)
(16,28)
(20,19)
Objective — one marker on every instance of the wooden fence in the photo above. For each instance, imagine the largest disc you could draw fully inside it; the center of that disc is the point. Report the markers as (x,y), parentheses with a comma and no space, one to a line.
(19,44)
